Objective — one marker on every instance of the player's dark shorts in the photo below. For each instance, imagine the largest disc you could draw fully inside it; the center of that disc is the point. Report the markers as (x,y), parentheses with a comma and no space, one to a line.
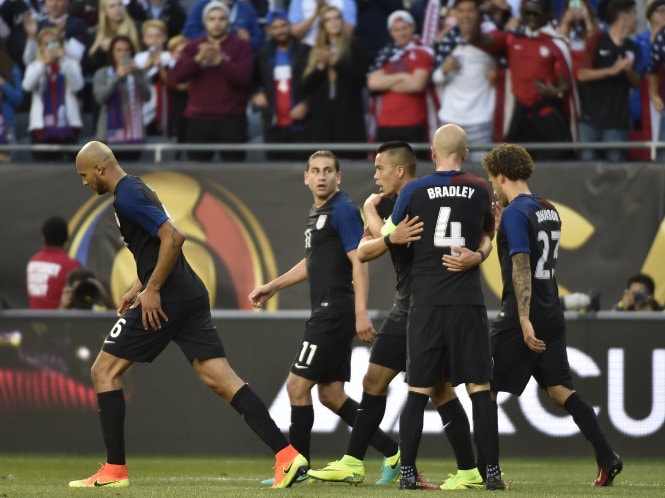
(448,342)
(325,352)
(189,325)
(389,348)
(515,363)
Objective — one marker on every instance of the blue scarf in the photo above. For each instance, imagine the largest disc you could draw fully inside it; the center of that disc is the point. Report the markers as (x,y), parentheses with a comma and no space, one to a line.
(56,127)
(4,131)
(124,123)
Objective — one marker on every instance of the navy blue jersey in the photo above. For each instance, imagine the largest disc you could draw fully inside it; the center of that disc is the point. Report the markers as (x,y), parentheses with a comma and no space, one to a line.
(455,208)
(402,257)
(332,230)
(531,225)
(139,214)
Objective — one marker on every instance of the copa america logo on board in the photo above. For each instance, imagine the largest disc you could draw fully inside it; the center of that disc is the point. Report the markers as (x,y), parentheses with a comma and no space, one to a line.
(226,245)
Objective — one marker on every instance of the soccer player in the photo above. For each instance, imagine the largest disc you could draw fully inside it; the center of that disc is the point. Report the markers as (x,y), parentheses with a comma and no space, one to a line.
(447,334)
(528,337)
(338,284)
(395,166)
(168,302)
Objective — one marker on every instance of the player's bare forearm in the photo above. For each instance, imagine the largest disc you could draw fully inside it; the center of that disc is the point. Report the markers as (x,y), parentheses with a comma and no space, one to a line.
(522,283)
(371,248)
(466,258)
(522,286)
(171,240)
(295,275)
(364,326)
(374,221)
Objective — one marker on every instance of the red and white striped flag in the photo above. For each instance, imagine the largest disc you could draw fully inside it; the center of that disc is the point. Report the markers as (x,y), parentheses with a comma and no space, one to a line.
(431,22)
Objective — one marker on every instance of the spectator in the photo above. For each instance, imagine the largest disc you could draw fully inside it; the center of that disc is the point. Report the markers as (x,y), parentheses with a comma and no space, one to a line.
(464,78)
(113,20)
(333,83)
(606,76)
(541,78)
(656,60)
(15,14)
(84,291)
(655,15)
(500,12)
(218,69)
(73,29)
(48,268)
(170,12)
(120,88)
(304,17)
(242,18)
(399,77)
(153,62)
(578,23)
(11,98)
(53,80)
(177,94)
(277,85)
(638,295)
(372,19)
(86,10)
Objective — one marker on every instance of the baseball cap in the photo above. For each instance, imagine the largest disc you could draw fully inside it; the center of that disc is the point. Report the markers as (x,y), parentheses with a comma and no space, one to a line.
(212,6)
(401,14)
(276,14)
(651,6)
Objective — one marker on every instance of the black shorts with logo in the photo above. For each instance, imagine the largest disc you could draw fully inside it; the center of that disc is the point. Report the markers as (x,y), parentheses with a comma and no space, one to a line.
(325,352)
(515,363)
(189,325)
(448,342)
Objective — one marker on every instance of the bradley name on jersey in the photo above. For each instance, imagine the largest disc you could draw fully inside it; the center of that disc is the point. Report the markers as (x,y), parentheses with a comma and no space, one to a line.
(451,191)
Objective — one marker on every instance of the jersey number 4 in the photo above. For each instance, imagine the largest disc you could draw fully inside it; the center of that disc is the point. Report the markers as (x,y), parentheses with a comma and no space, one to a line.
(549,240)
(442,222)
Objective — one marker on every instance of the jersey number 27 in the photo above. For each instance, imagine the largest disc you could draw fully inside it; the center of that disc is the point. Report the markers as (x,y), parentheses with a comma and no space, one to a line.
(549,240)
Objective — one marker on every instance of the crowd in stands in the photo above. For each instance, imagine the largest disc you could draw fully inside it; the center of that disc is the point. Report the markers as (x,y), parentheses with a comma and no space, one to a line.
(332,71)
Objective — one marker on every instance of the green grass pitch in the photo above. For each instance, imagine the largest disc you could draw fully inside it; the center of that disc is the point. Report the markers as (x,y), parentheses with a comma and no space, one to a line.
(25,475)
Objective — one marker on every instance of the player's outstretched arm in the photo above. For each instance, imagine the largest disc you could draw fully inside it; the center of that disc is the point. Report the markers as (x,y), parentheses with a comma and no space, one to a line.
(295,275)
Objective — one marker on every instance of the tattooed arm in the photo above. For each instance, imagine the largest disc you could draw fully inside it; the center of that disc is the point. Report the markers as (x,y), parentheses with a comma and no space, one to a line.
(522,286)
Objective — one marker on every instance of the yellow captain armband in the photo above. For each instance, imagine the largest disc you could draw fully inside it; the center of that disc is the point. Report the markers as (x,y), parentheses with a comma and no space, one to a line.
(388,227)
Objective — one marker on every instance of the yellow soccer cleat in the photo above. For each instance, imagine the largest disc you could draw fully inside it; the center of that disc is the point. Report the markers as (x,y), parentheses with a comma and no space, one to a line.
(111,475)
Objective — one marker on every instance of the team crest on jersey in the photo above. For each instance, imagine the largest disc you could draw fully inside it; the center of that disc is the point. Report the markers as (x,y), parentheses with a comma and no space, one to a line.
(544,51)
(321,221)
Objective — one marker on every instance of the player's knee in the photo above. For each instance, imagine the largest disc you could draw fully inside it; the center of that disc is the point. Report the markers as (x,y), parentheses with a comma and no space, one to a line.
(372,384)
(331,397)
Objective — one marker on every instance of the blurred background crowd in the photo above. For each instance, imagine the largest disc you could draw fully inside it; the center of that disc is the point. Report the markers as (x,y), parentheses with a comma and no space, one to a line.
(332,71)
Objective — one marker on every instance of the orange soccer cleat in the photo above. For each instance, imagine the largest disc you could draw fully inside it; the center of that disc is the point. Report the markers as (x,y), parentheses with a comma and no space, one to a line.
(111,475)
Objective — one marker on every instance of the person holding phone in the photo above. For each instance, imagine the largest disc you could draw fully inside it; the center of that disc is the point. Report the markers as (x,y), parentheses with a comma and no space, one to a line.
(120,88)
(53,78)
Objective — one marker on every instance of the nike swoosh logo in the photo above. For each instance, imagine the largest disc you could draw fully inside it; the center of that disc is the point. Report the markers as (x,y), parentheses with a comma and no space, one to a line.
(446,425)
(287,469)
(109,342)
(100,484)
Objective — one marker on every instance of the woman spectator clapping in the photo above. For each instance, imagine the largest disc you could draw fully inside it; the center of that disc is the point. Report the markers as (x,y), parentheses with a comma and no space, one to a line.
(53,80)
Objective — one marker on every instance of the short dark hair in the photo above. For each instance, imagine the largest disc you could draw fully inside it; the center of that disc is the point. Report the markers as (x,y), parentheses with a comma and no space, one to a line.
(79,275)
(457,2)
(114,40)
(55,231)
(645,280)
(610,10)
(400,153)
(511,160)
(323,153)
